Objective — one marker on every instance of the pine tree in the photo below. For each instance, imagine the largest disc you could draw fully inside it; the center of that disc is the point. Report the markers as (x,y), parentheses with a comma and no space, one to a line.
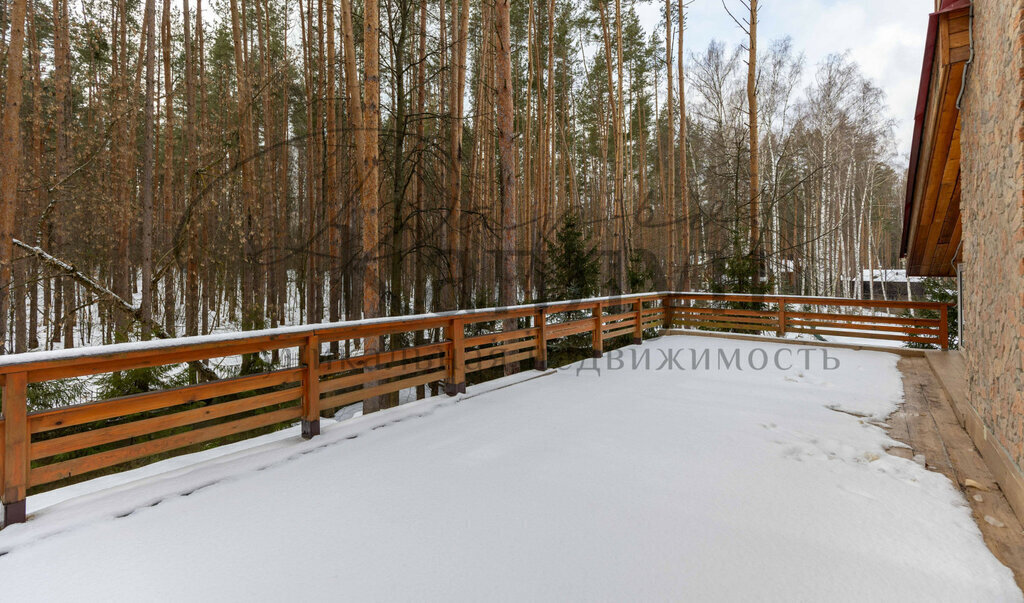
(572,268)
(942,290)
(740,275)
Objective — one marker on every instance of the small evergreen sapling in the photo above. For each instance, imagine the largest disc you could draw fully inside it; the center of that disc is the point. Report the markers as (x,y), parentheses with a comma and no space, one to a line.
(572,268)
(572,272)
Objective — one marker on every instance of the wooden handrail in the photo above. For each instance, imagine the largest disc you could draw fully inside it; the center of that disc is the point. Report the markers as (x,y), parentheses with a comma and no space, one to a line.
(811,301)
(45,447)
(135,354)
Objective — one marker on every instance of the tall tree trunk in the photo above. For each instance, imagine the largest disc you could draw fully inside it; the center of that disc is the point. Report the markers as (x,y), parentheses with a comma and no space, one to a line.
(10,163)
(398,178)
(332,198)
(619,213)
(191,173)
(458,85)
(755,175)
(306,29)
(247,158)
(419,292)
(507,280)
(62,158)
(168,184)
(366,151)
(684,191)
(527,197)
(27,337)
(620,174)
(148,167)
(548,155)
(371,99)
(670,174)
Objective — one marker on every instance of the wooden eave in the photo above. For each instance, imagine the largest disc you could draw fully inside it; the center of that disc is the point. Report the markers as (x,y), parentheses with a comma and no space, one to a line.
(932,230)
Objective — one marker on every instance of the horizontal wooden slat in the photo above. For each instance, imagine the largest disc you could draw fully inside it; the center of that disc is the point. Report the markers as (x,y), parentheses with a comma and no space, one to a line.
(898,320)
(609,318)
(767,321)
(760,316)
(617,333)
(619,323)
(864,327)
(764,321)
(333,385)
(570,328)
(56,471)
(721,325)
(379,390)
(473,355)
(500,361)
(116,433)
(126,405)
(958,24)
(959,39)
(490,338)
(682,310)
(865,335)
(359,362)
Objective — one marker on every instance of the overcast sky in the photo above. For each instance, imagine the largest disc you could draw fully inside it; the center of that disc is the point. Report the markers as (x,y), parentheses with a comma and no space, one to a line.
(886,37)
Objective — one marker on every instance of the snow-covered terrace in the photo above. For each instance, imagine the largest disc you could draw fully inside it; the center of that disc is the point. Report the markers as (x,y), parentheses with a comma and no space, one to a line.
(631,477)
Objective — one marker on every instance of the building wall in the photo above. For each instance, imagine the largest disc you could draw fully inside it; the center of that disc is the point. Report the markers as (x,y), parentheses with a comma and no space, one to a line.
(992,206)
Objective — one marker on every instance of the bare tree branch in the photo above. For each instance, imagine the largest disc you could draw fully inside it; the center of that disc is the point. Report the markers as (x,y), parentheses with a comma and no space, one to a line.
(106,295)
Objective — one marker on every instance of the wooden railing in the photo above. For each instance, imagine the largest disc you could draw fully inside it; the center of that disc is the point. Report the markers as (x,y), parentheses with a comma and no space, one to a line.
(50,446)
(821,316)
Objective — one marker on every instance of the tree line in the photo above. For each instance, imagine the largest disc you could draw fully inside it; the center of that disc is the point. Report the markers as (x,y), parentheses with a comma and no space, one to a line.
(171,167)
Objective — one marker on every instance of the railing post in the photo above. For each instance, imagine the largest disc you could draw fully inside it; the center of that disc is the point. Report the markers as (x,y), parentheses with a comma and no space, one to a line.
(598,338)
(944,327)
(16,442)
(541,322)
(311,387)
(666,304)
(781,332)
(457,359)
(638,330)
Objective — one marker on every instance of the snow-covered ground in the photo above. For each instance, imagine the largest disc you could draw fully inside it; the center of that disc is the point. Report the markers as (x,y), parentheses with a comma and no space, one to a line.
(681,483)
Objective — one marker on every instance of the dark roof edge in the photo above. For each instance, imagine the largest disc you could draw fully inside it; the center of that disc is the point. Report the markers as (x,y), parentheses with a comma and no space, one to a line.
(919,113)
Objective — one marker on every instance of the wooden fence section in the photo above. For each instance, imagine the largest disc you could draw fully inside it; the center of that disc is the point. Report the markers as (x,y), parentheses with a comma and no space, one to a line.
(822,316)
(44,447)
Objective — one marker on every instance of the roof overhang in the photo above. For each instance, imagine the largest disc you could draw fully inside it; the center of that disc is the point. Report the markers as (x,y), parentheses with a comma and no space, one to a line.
(931,216)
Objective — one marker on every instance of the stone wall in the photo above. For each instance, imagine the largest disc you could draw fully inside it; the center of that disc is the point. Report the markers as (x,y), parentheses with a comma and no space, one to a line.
(992,206)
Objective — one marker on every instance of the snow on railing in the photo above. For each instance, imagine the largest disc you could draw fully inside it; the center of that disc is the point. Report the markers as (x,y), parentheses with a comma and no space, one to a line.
(52,446)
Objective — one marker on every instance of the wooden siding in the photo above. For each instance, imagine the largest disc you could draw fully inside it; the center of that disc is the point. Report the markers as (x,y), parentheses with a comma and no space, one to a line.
(935,223)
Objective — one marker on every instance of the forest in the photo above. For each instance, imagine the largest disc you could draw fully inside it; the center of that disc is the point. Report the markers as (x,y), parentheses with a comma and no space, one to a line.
(175,167)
